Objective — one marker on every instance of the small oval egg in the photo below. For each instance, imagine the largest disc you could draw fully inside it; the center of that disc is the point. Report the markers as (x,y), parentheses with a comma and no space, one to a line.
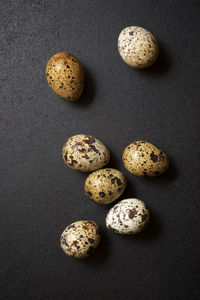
(138,47)
(65,76)
(85,153)
(129,216)
(144,159)
(80,238)
(105,186)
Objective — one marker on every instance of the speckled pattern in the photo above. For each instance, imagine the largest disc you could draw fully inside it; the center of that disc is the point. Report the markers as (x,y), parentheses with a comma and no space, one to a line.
(129,216)
(144,159)
(80,238)
(85,153)
(65,76)
(137,47)
(105,186)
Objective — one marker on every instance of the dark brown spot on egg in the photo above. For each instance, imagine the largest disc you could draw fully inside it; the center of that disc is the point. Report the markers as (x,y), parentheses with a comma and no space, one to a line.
(81,150)
(101,194)
(118,181)
(75,243)
(94,149)
(71,226)
(65,243)
(89,193)
(132,213)
(154,157)
(73,161)
(90,140)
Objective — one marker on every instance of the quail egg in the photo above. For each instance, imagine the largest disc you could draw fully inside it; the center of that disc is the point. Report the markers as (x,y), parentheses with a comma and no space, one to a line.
(65,76)
(105,186)
(138,47)
(80,238)
(143,158)
(85,153)
(129,216)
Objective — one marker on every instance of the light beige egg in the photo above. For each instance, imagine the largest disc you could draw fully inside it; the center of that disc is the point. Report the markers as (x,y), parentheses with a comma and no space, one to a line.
(129,216)
(144,159)
(138,47)
(85,153)
(65,76)
(80,238)
(105,185)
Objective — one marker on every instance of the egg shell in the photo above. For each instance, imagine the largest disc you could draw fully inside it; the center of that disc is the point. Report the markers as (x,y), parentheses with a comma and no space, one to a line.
(138,47)
(65,76)
(105,186)
(129,216)
(80,238)
(85,153)
(144,159)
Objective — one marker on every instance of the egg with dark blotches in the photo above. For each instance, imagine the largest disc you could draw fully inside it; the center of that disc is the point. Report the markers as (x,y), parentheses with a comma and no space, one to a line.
(85,153)
(142,158)
(80,238)
(65,76)
(138,47)
(105,185)
(129,216)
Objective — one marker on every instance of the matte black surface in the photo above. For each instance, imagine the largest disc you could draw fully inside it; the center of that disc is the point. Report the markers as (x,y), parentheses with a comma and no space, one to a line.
(40,195)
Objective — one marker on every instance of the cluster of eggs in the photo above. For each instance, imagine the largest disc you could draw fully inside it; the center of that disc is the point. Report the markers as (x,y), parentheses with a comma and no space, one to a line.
(65,75)
(105,185)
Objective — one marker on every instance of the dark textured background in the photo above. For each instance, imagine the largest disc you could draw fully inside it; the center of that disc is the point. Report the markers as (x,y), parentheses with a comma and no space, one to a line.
(40,195)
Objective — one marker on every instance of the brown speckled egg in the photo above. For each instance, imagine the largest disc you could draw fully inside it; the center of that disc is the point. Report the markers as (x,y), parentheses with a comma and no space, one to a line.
(105,186)
(65,76)
(85,153)
(80,238)
(137,47)
(129,216)
(143,158)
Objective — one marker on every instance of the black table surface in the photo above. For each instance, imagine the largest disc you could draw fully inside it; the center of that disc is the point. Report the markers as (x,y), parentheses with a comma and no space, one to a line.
(40,195)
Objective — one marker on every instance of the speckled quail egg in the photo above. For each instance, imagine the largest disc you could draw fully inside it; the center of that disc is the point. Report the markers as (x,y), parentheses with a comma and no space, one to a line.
(138,47)
(80,238)
(129,216)
(85,153)
(143,158)
(105,186)
(65,76)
